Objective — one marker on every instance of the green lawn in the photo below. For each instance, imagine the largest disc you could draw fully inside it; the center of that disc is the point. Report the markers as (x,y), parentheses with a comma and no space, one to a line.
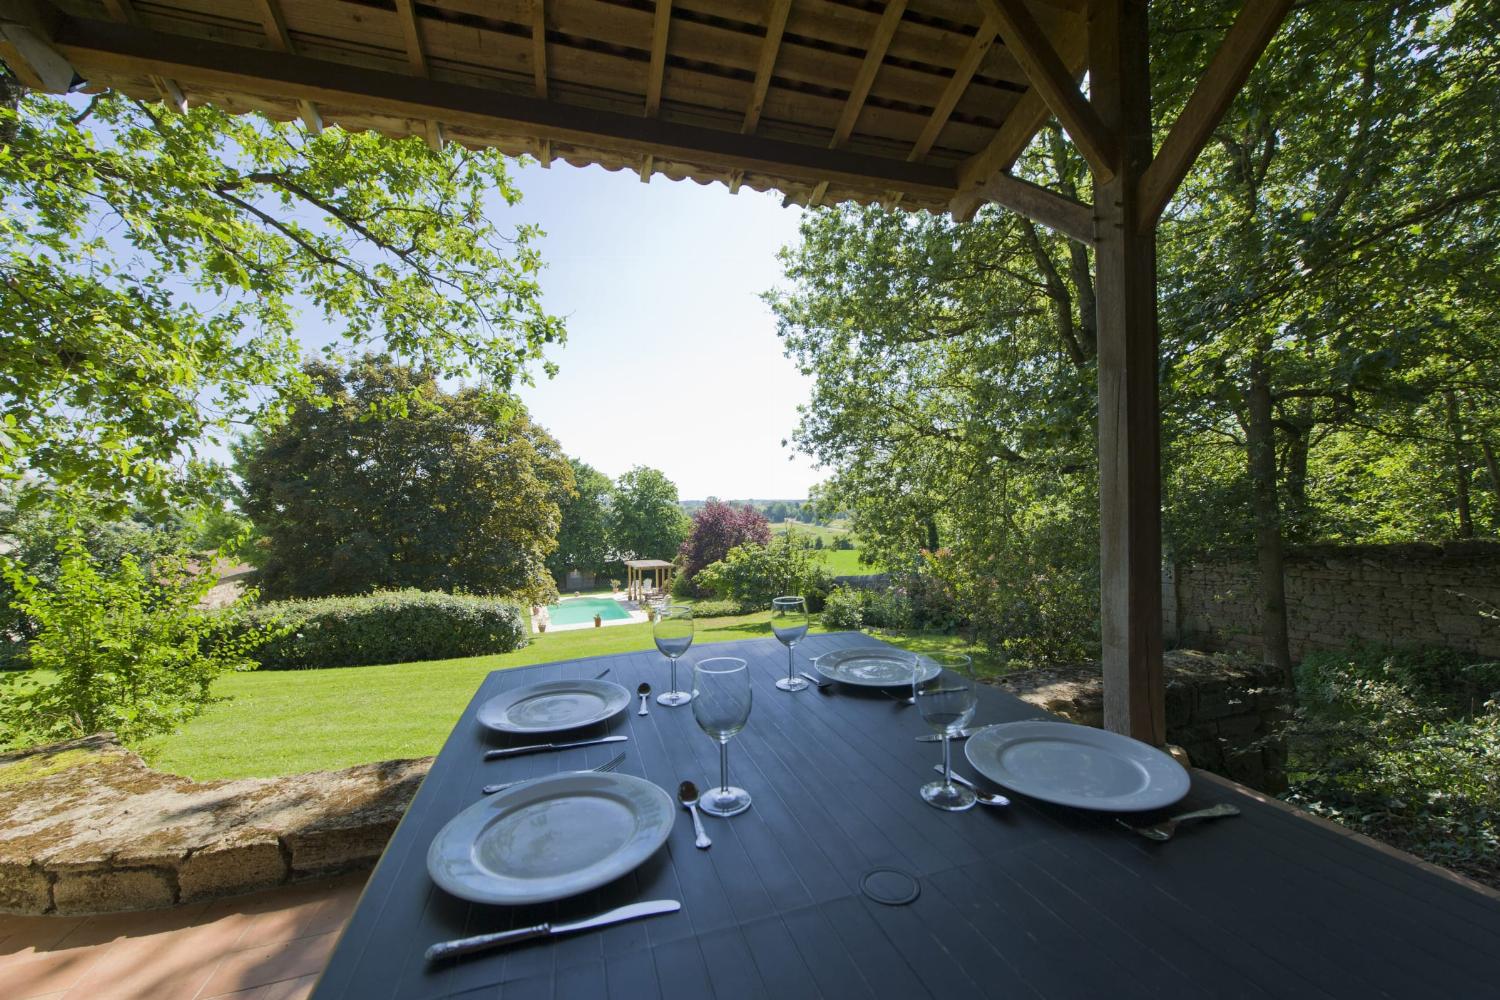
(289,721)
(827,532)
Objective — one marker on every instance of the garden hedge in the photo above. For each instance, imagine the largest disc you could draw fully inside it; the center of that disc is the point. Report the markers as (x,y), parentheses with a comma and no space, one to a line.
(387,627)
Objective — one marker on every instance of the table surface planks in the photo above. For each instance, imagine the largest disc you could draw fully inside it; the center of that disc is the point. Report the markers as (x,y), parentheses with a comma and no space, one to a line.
(1030,901)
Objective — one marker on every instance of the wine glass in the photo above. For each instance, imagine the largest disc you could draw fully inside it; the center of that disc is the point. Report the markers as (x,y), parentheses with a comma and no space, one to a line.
(673,632)
(721,704)
(947,699)
(789,622)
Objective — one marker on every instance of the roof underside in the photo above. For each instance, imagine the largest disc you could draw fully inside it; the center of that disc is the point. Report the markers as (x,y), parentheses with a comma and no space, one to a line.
(823,100)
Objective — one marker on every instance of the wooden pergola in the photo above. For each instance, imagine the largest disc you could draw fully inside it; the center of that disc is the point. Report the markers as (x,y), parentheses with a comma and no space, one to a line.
(922,104)
(661,574)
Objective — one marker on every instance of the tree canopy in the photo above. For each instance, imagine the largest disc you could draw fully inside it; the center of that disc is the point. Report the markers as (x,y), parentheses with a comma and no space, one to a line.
(718,527)
(583,538)
(444,491)
(1328,307)
(154,263)
(644,519)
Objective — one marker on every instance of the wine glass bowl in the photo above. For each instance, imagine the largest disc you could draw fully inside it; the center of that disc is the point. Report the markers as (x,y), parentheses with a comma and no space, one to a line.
(789,623)
(947,701)
(673,632)
(721,707)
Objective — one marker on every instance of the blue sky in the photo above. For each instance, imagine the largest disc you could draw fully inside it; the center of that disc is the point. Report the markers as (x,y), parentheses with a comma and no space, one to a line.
(672,360)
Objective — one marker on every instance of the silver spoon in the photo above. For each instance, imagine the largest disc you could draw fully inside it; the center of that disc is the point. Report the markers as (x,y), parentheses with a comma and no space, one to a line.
(644,691)
(687,794)
(985,798)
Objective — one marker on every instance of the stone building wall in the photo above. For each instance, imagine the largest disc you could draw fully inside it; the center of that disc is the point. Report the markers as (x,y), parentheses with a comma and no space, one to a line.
(1399,595)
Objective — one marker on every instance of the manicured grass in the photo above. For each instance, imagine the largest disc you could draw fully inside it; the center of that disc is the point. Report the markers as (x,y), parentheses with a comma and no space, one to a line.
(289,721)
(828,532)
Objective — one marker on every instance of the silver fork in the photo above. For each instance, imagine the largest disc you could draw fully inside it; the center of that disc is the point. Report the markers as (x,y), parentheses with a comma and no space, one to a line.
(609,765)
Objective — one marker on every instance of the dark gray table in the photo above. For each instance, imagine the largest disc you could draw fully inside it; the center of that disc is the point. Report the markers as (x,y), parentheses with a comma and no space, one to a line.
(1025,902)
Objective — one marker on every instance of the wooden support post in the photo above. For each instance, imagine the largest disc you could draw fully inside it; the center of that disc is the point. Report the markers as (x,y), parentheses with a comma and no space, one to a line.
(1129,446)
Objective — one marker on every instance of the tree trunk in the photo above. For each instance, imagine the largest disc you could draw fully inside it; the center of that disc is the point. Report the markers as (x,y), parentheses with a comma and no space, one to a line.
(932,534)
(1299,434)
(1270,557)
(1460,466)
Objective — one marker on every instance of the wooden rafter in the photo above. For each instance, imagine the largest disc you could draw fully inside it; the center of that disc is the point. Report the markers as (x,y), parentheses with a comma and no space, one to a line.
(416,55)
(766,64)
(124,11)
(875,52)
(275,24)
(648,162)
(1050,77)
(539,66)
(122,50)
(1227,72)
(978,48)
(660,26)
(1072,218)
(1022,124)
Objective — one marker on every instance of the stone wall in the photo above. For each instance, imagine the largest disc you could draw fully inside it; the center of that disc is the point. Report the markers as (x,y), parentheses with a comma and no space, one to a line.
(87,827)
(1399,595)
(1222,709)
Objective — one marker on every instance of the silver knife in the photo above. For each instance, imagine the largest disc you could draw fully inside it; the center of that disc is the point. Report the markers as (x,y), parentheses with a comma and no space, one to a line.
(483,942)
(962,734)
(512,751)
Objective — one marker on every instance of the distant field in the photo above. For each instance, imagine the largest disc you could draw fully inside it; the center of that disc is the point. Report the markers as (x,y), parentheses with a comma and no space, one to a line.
(844,562)
(828,532)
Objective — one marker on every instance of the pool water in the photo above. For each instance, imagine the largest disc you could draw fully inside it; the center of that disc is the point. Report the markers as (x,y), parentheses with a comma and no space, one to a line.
(583,609)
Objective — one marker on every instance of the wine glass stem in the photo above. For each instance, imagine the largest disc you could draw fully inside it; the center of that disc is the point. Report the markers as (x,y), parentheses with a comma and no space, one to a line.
(789,674)
(673,685)
(724,766)
(947,762)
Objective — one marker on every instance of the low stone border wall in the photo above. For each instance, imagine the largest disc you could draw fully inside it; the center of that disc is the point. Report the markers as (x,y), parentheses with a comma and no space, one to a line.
(1223,710)
(87,827)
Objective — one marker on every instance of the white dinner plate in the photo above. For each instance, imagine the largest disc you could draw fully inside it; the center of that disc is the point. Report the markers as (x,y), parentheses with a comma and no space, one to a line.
(1079,766)
(550,838)
(552,706)
(871,666)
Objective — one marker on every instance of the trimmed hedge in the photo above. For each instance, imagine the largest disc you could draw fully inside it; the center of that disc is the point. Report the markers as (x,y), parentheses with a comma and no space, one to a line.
(387,627)
(718,609)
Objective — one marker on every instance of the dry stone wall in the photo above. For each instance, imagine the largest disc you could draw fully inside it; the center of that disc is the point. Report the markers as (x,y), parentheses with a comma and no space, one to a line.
(1398,595)
(1224,710)
(87,827)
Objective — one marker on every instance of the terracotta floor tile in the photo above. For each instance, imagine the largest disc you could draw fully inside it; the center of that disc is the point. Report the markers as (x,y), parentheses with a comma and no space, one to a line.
(47,973)
(279,925)
(288,989)
(164,965)
(38,934)
(271,964)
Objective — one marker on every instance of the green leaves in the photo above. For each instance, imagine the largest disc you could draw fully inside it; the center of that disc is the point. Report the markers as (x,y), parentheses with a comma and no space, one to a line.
(154,265)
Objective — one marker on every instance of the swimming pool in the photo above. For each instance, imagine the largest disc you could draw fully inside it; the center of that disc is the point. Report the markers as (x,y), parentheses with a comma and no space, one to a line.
(583,609)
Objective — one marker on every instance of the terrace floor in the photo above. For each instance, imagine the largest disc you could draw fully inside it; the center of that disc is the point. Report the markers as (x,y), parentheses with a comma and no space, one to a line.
(267,946)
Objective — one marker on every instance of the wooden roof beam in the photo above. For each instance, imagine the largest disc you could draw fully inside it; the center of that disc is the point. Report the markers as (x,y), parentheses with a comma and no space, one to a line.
(660,26)
(1021,125)
(875,52)
(539,67)
(275,25)
(1073,219)
(406,12)
(963,74)
(118,49)
(124,11)
(775,27)
(27,29)
(1227,72)
(1050,77)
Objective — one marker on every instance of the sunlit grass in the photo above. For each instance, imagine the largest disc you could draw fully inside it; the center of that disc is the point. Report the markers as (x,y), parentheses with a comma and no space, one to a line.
(288,721)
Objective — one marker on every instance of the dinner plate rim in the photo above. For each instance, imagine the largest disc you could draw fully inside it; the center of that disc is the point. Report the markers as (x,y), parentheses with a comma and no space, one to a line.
(1175,781)
(620,699)
(854,651)
(582,781)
